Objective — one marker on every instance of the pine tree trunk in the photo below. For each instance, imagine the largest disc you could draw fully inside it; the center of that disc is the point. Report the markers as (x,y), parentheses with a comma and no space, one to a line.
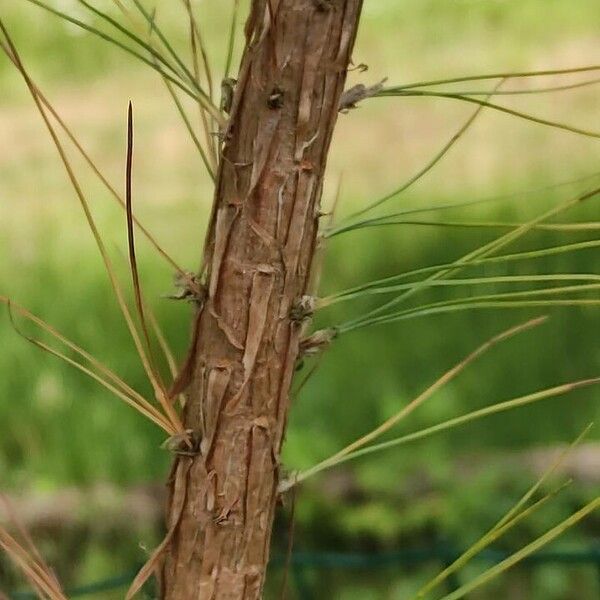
(257,262)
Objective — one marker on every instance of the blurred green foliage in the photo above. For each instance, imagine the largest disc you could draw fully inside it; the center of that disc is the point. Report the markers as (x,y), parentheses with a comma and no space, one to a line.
(60,429)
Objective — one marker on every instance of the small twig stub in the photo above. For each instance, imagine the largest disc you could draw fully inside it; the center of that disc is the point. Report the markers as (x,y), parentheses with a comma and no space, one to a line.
(188,287)
(352,96)
(317,342)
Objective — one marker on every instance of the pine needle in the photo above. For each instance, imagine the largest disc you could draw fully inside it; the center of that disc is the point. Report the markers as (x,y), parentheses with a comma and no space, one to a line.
(123,392)
(541,90)
(386,222)
(481,252)
(503,109)
(508,521)
(173,417)
(188,125)
(502,259)
(506,75)
(474,416)
(423,397)
(231,38)
(152,51)
(473,281)
(28,558)
(119,44)
(493,535)
(333,231)
(34,572)
(470,304)
(135,277)
(499,300)
(197,41)
(517,557)
(202,97)
(108,374)
(430,165)
(95,168)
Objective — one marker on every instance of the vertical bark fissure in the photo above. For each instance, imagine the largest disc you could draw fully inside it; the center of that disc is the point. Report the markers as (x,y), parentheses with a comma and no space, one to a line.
(257,262)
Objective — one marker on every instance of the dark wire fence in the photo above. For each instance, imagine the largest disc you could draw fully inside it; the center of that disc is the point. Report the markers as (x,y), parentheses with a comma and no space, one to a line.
(301,563)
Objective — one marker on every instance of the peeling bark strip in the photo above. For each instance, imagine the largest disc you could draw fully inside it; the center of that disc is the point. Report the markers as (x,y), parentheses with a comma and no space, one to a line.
(257,262)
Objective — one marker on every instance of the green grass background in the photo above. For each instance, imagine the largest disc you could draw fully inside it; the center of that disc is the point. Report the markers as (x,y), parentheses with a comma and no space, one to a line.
(59,430)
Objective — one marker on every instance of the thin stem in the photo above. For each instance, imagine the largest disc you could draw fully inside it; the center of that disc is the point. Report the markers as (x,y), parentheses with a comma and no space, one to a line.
(231,38)
(531,254)
(446,425)
(419,400)
(511,75)
(490,280)
(95,168)
(480,252)
(117,43)
(333,231)
(524,552)
(432,163)
(504,109)
(97,237)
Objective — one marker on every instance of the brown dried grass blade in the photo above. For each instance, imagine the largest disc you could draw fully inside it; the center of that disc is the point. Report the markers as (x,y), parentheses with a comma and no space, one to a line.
(161,338)
(197,42)
(179,497)
(19,556)
(169,356)
(185,373)
(172,415)
(135,277)
(109,375)
(85,155)
(134,400)
(29,543)
(28,558)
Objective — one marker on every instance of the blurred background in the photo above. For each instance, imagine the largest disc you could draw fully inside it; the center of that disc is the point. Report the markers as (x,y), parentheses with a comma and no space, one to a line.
(86,473)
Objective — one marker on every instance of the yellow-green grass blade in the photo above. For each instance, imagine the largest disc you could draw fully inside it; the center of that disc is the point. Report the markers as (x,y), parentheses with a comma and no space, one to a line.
(445,426)
(528,550)
(516,514)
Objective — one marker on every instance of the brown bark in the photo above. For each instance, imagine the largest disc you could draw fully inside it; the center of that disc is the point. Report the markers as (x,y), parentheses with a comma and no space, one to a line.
(257,262)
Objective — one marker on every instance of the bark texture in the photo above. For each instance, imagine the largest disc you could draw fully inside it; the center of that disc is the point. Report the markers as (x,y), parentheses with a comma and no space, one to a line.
(257,262)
